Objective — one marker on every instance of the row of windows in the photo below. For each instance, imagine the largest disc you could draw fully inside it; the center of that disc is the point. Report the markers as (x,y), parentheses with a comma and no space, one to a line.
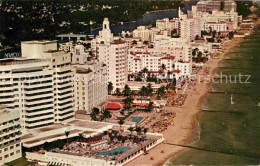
(11,147)
(11,154)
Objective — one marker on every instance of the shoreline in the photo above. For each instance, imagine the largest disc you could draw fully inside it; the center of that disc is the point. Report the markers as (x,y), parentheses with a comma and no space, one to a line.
(182,130)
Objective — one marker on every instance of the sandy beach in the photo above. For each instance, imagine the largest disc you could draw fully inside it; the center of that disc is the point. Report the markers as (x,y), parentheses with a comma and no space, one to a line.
(180,132)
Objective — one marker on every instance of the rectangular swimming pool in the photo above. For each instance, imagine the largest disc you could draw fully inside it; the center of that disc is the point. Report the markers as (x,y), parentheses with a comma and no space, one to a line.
(136,119)
(114,152)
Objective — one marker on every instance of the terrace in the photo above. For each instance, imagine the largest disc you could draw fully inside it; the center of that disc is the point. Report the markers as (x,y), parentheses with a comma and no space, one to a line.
(111,147)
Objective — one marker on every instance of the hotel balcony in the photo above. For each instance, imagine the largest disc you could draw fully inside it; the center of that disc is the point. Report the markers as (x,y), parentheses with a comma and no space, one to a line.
(40,84)
(39,88)
(66,113)
(28,119)
(40,106)
(39,95)
(39,123)
(64,74)
(64,89)
(40,111)
(65,93)
(2,127)
(6,88)
(63,105)
(65,99)
(64,84)
(6,97)
(4,134)
(39,101)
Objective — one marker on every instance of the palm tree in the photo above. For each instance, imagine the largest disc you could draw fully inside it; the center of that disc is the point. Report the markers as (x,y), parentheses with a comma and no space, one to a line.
(145,42)
(145,70)
(145,131)
(127,102)
(149,90)
(143,91)
(163,67)
(131,129)
(160,92)
(199,54)
(134,42)
(118,91)
(94,113)
(80,137)
(173,66)
(67,135)
(127,91)
(110,87)
(138,131)
(121,122)
(150,106)
(106,114)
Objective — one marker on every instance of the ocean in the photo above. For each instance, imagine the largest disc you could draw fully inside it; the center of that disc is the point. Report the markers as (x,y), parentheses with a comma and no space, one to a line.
(229,127)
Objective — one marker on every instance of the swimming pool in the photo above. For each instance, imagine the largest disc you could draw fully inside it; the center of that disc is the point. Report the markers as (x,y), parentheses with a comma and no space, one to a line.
(136,119)
(114,152)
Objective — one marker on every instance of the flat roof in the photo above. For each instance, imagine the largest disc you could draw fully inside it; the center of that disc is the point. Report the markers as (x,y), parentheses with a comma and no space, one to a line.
(135,149)
(51,136)
(88,124)
(71,35)
(39,41)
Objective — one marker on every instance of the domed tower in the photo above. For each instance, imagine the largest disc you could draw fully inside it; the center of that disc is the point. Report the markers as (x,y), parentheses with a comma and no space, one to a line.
(106,34)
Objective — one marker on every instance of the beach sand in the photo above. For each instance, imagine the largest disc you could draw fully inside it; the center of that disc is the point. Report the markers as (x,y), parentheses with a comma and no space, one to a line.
(183,126)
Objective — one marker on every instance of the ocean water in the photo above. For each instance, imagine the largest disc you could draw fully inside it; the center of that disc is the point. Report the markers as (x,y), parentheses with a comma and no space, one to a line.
(230,133)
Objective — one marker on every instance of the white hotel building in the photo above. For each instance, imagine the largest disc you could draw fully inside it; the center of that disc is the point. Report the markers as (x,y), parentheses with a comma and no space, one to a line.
(90,85)
(10,133)
(39,85)
(113,54)
(139,58)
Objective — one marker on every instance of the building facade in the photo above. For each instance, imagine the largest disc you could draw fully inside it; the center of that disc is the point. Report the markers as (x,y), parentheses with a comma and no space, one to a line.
(39,85)
(10,134)
(90,85)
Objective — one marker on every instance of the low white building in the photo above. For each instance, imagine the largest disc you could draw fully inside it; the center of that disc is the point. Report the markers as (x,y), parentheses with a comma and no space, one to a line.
(139,58)
(142,33)
(213,26)
(10,133)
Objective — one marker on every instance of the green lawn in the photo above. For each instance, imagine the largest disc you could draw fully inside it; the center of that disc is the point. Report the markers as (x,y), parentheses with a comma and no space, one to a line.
(19,162)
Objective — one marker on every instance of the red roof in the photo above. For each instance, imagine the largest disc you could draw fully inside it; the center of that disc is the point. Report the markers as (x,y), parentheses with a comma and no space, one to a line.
(168,57)
(113,106)
(118,42)
(138,52)
(176,71)
(153,71)
(132,53)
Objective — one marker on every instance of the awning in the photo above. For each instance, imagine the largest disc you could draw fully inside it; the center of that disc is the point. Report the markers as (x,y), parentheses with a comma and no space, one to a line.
(113,106)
